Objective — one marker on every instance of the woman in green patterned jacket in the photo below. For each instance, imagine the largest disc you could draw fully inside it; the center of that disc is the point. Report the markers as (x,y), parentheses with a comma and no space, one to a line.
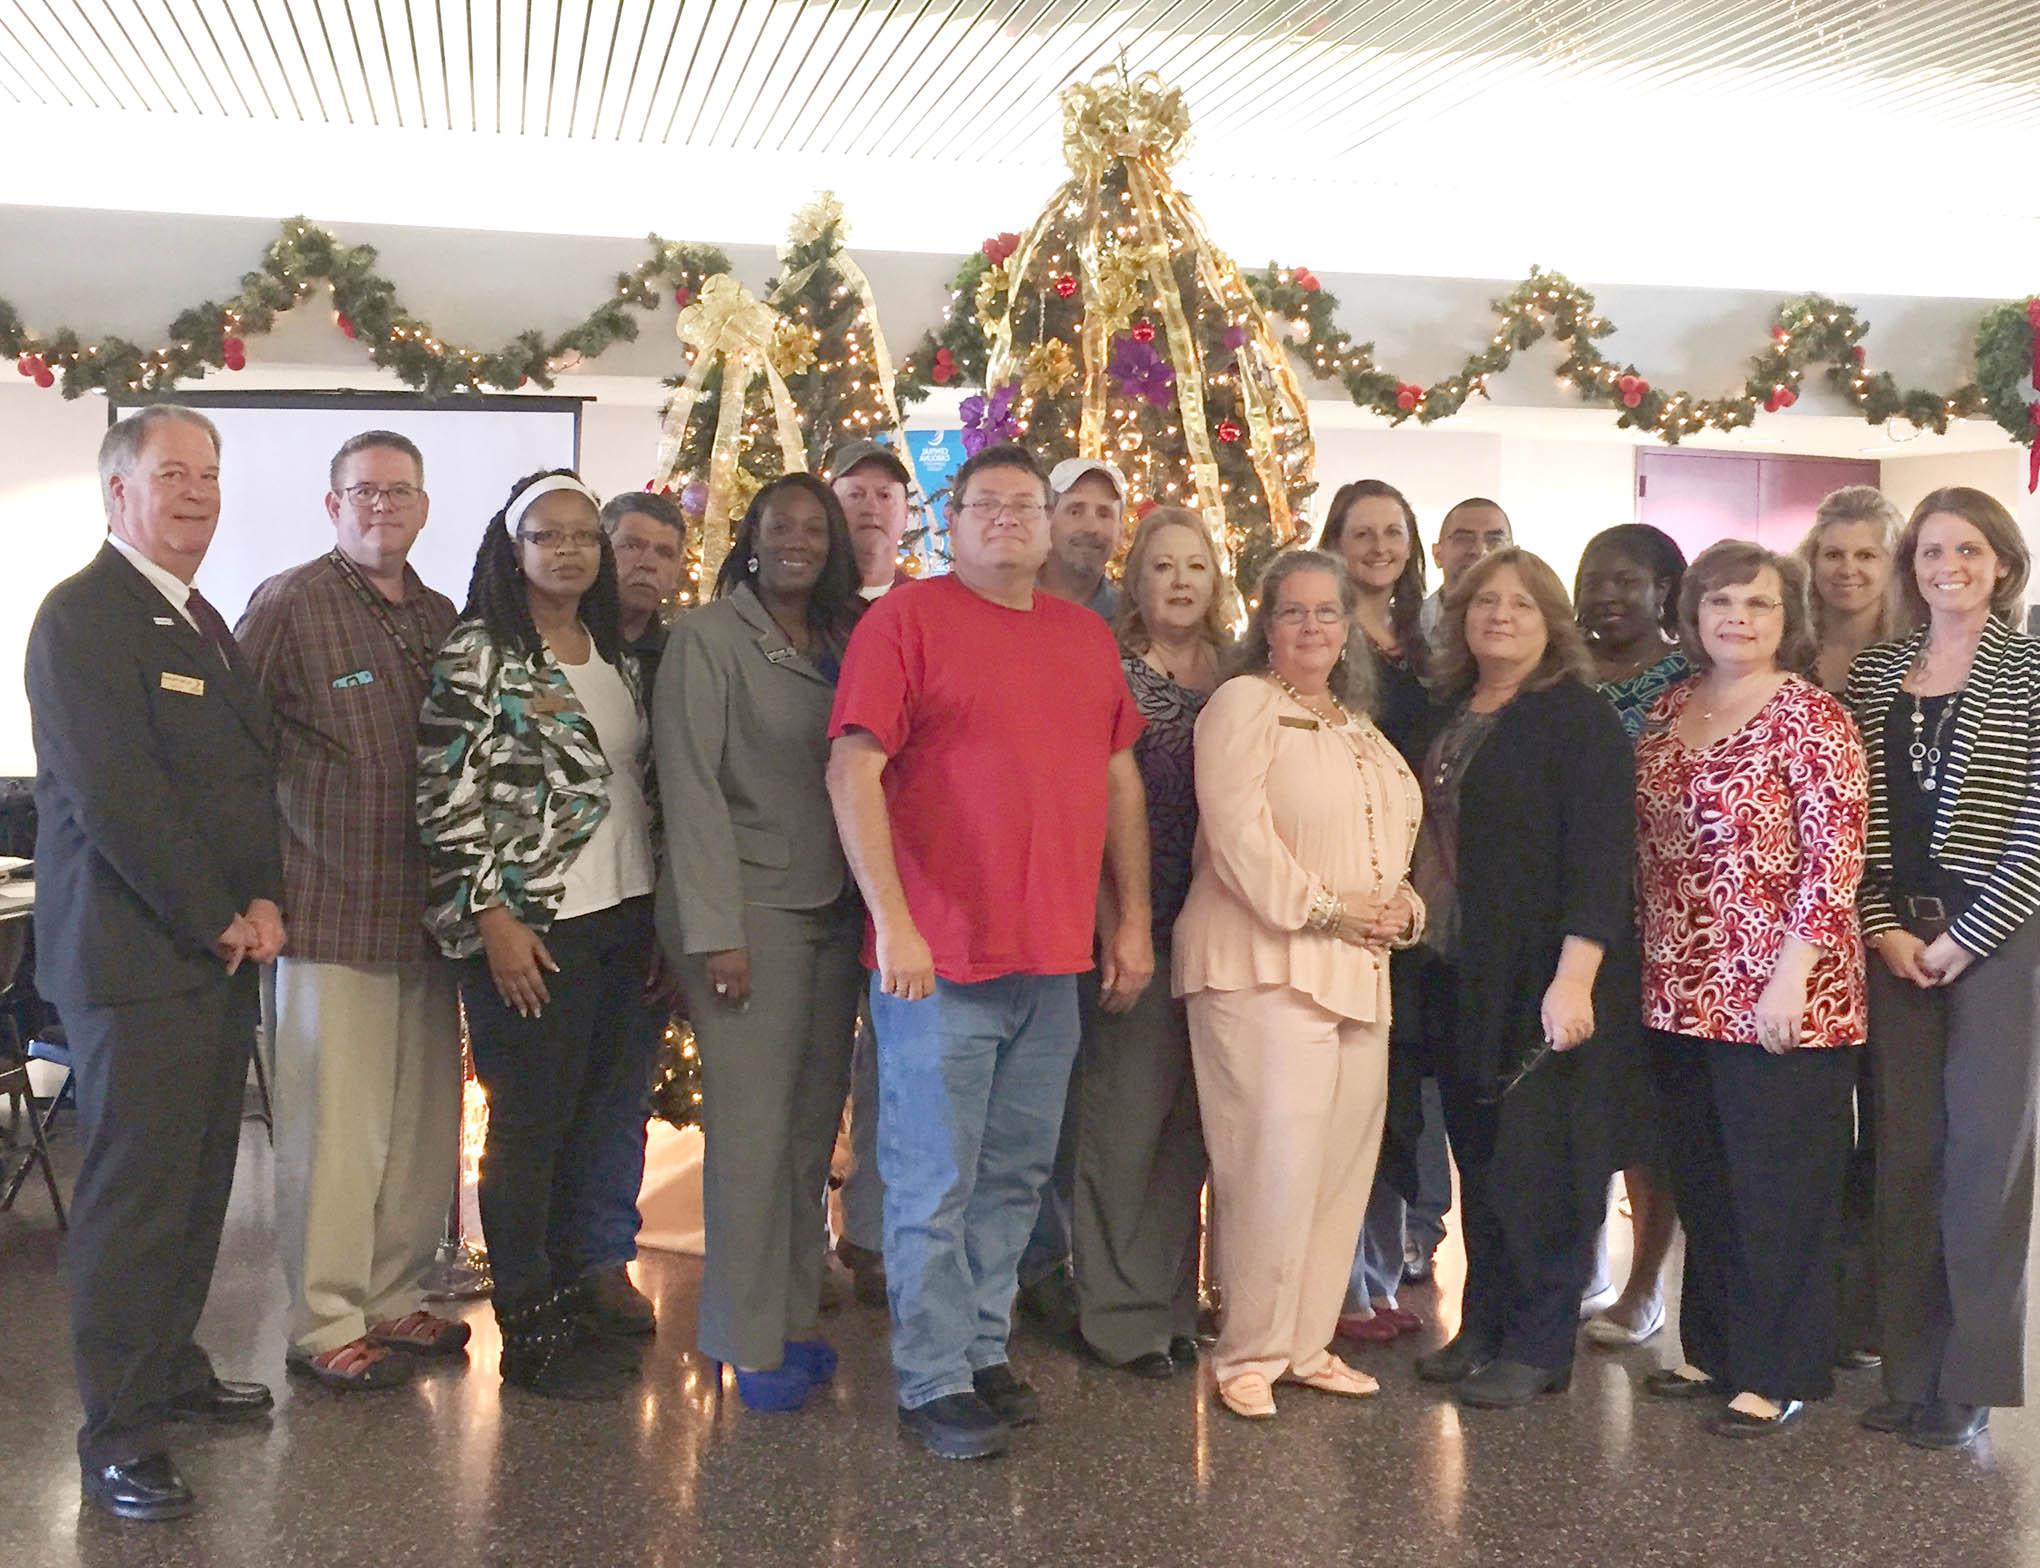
(540,821)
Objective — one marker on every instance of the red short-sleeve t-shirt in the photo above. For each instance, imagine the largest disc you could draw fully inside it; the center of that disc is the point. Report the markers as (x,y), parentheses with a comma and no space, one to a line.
(998,725)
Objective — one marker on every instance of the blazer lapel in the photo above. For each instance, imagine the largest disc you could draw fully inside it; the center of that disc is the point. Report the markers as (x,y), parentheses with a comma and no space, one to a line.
(168,625)
(1975,701)
(771,641)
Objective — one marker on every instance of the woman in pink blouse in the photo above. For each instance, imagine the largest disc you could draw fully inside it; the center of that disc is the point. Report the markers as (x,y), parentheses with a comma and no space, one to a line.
(1298,888)
(1751,796)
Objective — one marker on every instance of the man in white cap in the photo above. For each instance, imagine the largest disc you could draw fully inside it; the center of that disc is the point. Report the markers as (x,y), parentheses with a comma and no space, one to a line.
(1083,527)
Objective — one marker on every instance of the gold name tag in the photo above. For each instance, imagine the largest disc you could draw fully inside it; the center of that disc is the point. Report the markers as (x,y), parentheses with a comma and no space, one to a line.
(190,685)
(1289,722)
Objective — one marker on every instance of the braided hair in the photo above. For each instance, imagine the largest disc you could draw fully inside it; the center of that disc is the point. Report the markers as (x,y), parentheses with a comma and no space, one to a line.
(835,603)
(500,598)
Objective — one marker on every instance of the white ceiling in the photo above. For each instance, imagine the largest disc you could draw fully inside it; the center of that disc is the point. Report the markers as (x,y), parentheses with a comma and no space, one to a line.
(1840,144)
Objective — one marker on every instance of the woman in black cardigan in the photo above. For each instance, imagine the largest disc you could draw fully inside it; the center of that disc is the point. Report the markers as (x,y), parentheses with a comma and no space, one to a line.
(1950,903)
(1531,986)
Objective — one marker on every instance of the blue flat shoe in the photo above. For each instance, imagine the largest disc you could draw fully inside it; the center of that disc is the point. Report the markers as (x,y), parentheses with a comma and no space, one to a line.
(780,1388)
(815,1357)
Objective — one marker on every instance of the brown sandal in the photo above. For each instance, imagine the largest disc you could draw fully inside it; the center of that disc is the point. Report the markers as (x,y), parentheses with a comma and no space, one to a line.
(360,1363)
(420,1333)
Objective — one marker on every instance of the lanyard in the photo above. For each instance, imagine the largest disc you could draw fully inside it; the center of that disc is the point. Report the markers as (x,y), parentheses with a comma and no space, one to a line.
(379,607)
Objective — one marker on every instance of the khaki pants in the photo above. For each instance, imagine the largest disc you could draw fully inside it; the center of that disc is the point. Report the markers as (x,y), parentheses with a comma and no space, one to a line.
(1292,1099)
(367,1103)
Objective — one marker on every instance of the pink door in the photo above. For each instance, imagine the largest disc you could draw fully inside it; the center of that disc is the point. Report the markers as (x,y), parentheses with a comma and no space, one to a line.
(1792,489)
(1698,497)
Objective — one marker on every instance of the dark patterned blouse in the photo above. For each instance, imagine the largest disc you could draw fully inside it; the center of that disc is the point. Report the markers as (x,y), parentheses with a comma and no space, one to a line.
(1633,697)
(1163,755)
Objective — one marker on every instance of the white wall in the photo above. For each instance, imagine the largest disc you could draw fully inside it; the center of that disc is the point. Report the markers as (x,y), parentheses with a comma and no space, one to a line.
(2002,474)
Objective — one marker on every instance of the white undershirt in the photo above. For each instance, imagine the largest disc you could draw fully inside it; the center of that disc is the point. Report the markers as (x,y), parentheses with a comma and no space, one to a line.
(616,862)
(167,583)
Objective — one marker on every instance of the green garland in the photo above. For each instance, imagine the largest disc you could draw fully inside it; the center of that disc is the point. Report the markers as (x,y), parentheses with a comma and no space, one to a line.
(1807,332)
(211,336)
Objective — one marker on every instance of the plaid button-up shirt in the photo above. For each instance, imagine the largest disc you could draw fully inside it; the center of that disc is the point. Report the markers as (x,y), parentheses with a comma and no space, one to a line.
(347,698)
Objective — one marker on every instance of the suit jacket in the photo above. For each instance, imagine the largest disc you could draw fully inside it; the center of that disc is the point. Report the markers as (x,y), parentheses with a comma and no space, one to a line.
(155,791)
(740,726)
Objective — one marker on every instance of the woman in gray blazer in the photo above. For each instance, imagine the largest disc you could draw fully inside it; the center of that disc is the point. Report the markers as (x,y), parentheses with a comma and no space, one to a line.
(759,915)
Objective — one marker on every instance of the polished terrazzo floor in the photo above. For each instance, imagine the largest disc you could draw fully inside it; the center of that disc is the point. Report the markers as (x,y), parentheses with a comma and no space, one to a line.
(450,1472)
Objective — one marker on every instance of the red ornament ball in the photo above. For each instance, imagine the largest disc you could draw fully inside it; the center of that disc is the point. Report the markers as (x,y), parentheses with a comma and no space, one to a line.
(1142,332)
(1406,398)
(682,295)
(345,323)
(1228,432)
(44,377)
(1307,280)
(232,346)
(1780,334)
(1858,354)
(26,364)
(1626,384)
(1631,399)
(1143,508)
(1066,285)
(1787,398)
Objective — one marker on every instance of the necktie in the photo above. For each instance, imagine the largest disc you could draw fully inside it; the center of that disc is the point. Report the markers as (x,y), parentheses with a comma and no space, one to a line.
(212,626)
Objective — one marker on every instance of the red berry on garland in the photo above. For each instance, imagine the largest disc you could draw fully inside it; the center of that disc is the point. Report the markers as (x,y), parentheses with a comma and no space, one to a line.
(232,346)
(1787,398)
(1625,384)
(1780,334)
(1858,354)
(345,323)
(1142,332)
(1228,432)
(682,295)
(26,364)
(1144,508)
(1771,402)
(1406,398)
(44,376)
(1307,280)
(1066,285)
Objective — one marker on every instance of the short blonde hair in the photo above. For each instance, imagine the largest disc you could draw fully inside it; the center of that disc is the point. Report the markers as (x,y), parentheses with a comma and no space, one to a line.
(1353,679)
(1987,515)
(1453,670)
(1855,504)
(1738,561)
(1128,625)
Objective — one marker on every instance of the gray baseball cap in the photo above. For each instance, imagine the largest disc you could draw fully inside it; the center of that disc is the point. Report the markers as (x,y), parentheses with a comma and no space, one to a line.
(1066,473)
(855,454)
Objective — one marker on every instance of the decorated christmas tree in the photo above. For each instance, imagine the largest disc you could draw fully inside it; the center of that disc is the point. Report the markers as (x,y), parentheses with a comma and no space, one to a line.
(1114,328)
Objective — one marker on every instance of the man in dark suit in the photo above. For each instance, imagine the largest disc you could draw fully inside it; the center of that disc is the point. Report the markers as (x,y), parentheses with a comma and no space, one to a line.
(157,875)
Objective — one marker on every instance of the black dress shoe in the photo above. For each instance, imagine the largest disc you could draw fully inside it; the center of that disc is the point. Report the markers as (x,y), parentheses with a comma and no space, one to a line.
(1669,1385)
(1183,1352)
(1733,1423)
(1154,1363)
(1458,1358)
(1509,1385)
(957,1426)
(146,1488)
(1858,1361)
(1894,1415)
(1944,1424)
(1012,1400)
(1050,1303)
(219,1402)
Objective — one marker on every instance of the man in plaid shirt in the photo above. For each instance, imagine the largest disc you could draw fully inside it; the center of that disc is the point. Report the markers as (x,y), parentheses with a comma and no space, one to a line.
(367,1031)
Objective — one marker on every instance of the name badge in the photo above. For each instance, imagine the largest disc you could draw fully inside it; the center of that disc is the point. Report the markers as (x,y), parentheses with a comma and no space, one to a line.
(778,655)
(1288,721)
(189,685)
(164,620)
(358,678)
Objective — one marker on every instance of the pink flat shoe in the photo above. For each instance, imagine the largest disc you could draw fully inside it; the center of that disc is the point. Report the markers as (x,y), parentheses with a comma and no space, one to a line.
(1335,1377)
(1248,1395)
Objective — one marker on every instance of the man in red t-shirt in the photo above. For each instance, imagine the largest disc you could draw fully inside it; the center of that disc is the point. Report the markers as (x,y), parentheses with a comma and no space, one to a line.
(982,770)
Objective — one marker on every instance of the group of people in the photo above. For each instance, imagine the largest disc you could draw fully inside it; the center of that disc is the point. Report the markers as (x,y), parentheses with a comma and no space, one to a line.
(1123,938)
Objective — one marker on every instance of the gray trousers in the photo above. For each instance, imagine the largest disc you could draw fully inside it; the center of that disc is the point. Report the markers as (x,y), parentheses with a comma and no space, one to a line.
(773,1080)
(1956,1071)
(1139,1169)
(863,1186)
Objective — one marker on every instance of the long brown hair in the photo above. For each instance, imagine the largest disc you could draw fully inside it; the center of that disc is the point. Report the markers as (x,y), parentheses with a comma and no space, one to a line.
(1453,669)
(1987,515)
(1406,598)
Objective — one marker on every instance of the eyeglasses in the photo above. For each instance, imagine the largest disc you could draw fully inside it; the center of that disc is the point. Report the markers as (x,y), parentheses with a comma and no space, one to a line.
(1297,614)
(558,539)
(364,498)
(1019,511)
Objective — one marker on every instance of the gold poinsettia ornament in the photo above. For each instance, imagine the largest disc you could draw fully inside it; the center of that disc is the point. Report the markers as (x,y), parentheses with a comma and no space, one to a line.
(793,346)
(1048,368)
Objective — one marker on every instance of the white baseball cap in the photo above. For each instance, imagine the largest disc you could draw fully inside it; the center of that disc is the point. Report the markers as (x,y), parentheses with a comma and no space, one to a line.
(1065,474)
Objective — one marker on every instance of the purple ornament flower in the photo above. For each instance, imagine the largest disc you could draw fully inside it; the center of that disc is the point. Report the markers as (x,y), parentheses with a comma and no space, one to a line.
(990,421)
(1140,371)
(1235,337)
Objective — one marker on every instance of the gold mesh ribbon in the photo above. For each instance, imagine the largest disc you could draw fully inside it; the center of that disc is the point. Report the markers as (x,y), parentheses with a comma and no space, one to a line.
(729,324)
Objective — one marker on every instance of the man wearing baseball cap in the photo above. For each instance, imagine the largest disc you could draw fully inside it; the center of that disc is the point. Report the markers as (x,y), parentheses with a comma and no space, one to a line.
(871,481)
(1083,524)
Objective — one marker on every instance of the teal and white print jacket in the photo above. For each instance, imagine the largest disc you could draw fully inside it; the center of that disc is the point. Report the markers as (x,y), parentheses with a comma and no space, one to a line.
(511,783)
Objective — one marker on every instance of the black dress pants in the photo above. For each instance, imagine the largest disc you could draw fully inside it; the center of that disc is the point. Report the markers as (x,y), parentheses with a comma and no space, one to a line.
(1531,1200)
(159,1086)
(549,1080)
(1755,1146)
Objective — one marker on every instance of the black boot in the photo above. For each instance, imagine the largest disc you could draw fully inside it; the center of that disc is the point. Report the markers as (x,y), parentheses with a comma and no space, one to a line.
(545,1351)
(598,1333)
(1455,1360)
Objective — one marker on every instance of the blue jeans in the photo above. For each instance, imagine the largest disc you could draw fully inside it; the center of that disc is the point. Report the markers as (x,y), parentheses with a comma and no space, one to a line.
(1426,1216)
(609,1215)
(971,1087)
(1378,1260)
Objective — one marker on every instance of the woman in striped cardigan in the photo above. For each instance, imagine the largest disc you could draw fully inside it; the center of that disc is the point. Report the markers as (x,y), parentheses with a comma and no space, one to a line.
(1951,726)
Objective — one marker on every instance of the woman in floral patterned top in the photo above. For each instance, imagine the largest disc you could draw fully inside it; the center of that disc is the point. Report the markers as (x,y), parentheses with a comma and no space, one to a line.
(1751,802)
(1140,1148)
